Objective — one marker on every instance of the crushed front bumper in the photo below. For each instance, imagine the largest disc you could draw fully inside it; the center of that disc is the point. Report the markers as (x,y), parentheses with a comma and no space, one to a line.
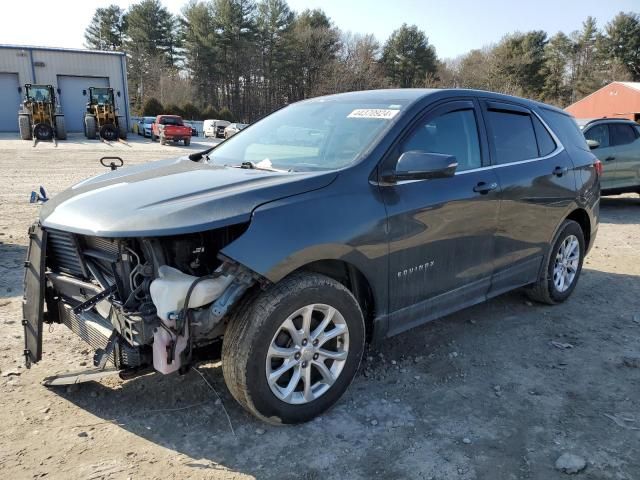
(33,299)
(89,326)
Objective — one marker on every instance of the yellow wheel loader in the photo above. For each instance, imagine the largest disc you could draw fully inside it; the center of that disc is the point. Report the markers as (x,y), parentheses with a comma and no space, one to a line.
(101,116)
(40,117)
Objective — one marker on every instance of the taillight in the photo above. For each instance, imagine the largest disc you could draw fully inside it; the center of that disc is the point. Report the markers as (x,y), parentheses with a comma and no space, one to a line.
(598,166)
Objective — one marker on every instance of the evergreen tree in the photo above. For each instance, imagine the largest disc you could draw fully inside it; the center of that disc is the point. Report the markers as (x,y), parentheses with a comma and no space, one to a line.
(106,30)
(274,22)
(200,49)
(557,53)
(152,107)
(152,42)
(408,57)
(623,42)
(518,61)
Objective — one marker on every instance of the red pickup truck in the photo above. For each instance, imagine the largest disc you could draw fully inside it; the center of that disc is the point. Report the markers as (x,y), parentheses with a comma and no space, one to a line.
(170,128)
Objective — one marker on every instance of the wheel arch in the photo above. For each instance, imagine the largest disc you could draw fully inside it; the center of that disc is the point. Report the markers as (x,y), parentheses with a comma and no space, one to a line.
(354,280)
(581,217)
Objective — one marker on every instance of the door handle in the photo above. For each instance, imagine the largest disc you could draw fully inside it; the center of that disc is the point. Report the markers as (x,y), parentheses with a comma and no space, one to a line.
(484,187)
(610,158)
(559,171)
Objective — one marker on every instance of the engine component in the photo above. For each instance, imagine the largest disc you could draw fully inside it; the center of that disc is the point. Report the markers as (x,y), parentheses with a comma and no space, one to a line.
(168,293)
(169,290)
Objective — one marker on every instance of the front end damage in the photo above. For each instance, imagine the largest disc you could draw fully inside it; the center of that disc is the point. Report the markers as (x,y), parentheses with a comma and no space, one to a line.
(138,302)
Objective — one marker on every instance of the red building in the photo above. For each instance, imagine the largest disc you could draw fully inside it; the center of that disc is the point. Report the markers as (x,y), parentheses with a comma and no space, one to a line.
(616,100)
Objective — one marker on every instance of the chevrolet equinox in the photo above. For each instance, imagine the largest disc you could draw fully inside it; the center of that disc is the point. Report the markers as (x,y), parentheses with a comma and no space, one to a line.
(333,222)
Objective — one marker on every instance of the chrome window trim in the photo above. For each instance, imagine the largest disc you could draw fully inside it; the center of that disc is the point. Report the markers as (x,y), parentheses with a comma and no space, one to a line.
(559,148)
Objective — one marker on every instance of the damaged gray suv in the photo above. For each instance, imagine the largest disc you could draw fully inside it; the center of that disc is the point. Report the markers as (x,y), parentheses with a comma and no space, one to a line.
(331,223)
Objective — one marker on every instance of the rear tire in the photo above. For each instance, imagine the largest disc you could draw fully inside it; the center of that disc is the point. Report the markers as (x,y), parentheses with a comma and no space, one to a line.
(61,131)
(560,272)
(122,128)
(90,127)
(249,348)
(24,124)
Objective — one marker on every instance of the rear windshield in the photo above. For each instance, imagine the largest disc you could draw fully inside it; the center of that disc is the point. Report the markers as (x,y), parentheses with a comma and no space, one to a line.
(170,121)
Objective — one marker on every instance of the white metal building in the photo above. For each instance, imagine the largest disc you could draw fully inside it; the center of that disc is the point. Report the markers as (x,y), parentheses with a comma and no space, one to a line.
(71,72)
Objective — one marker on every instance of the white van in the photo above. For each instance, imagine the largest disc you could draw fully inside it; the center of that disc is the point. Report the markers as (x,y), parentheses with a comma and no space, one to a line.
(209,128)
(214,128)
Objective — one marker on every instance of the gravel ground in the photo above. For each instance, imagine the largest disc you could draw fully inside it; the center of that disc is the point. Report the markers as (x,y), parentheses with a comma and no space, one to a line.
(498,391)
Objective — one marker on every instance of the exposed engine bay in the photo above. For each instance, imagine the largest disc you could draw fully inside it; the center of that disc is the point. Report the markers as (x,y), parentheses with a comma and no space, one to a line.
(143,301)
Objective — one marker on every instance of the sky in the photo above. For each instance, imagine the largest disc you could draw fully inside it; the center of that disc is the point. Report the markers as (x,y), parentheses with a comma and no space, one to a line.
(453,27)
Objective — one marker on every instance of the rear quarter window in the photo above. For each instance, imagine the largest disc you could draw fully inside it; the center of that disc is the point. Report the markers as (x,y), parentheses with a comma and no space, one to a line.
(565,128)
(546,144)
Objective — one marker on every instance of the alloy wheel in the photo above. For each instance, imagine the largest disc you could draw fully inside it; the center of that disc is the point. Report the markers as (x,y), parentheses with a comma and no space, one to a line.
(307,354)
(566,263)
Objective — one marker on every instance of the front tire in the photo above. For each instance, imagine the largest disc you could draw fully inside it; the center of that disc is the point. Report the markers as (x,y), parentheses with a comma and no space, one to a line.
(290,352)
(43,131)
(562,266)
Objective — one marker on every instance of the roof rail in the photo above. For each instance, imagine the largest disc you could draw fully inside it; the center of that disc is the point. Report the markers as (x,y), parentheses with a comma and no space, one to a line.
(609,119)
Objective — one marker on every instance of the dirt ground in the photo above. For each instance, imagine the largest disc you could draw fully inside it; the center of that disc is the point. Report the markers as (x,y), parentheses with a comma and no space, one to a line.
(481,394)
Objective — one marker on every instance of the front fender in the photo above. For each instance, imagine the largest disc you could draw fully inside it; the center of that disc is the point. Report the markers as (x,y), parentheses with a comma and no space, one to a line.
(288,234)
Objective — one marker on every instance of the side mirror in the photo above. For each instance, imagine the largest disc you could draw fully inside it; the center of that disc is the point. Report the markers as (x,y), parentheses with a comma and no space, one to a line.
(593,144)
(84,92)
(416,165)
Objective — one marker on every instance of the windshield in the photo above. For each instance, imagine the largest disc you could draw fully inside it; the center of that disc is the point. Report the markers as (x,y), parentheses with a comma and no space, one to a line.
(101,96)
(149,119)
(39,94)
(313,135)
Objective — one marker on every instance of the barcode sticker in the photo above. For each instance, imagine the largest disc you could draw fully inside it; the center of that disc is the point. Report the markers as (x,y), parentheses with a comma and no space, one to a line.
(382,113)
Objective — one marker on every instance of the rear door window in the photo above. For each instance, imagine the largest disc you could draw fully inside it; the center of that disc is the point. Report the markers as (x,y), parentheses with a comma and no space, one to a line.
(599,133)
(621,134)
(513,136)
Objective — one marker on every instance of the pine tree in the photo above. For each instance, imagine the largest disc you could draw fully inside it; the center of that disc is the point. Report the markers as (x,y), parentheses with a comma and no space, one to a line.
(106,30)
(408,57)
(623,42)
(200,50)
(556,60)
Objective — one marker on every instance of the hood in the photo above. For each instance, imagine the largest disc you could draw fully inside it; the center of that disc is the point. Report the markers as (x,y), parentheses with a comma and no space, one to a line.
(171,197)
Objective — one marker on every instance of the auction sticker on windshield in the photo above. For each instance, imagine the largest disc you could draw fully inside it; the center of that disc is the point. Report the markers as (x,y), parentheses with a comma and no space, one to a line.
(383,113)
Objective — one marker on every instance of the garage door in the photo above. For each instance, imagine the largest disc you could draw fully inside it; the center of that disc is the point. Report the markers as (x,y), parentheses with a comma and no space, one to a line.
(9,102)
(73,102)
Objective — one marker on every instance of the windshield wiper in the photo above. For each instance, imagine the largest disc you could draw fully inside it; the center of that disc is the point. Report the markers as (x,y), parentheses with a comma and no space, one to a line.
(253,166)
